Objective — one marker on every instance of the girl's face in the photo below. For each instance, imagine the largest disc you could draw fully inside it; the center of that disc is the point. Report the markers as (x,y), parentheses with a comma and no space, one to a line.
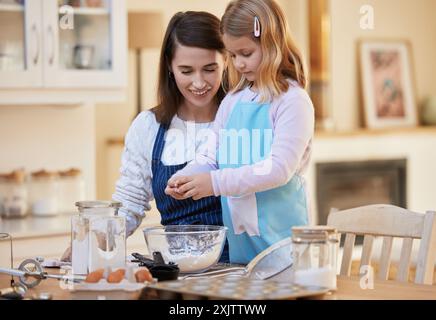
(246,55)
(198,74)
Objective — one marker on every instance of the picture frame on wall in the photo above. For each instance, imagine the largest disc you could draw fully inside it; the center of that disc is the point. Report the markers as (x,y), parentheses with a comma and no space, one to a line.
(387,84)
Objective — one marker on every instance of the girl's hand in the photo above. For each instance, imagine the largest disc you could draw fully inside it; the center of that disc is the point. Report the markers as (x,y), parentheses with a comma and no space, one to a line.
(197,186)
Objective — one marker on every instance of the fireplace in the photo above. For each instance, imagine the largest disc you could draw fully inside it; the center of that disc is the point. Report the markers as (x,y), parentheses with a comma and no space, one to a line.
(345,185)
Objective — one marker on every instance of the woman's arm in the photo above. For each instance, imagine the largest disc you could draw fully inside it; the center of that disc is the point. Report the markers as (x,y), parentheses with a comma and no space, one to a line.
(133,188)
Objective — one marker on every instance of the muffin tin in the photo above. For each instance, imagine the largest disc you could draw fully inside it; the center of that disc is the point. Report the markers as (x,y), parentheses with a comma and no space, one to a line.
(232,287)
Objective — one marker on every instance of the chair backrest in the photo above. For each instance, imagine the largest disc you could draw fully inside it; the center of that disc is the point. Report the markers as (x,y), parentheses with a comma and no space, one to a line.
(388,221)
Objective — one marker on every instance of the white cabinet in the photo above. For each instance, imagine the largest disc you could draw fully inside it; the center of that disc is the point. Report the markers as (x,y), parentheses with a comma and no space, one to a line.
(20,44)
(47,46)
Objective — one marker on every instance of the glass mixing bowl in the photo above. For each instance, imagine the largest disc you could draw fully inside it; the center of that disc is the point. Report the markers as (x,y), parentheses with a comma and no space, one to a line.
(194,248)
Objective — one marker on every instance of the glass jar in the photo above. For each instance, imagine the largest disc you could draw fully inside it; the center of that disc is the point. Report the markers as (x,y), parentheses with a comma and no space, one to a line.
(44,188)
(71,189)
(79,244)
(315,251)
(13,195)
(98,207)
(107,243)
(98,237)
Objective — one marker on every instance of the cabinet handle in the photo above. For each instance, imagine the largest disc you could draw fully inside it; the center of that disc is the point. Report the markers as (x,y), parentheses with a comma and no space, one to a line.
(36,35)
(51,36)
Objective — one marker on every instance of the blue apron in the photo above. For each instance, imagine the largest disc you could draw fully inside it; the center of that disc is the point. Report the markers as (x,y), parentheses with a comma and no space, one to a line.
(270,214)
(206,211)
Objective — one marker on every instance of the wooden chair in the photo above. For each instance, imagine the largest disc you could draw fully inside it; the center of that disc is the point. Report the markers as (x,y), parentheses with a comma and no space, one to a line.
(388,221)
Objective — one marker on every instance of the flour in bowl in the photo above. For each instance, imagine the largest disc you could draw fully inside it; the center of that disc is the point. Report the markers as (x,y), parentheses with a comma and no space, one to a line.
(197,262)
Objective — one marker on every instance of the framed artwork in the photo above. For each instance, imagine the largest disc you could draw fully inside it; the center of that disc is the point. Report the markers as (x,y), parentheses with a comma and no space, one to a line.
(388,89)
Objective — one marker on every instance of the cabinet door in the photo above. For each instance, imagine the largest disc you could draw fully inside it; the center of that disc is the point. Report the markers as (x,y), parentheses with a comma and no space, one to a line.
(85,43)
(20,43)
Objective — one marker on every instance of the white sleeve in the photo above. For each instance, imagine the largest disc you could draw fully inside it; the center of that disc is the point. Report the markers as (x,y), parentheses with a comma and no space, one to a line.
(133,188)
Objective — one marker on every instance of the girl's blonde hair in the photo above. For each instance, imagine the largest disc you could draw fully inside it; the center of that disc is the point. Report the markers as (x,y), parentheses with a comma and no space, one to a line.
(281,60)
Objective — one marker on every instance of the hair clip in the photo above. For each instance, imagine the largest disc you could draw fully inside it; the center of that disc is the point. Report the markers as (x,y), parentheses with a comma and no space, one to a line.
(256,27)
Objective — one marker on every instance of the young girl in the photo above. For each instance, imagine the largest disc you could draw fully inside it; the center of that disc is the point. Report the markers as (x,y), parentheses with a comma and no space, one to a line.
(264,128)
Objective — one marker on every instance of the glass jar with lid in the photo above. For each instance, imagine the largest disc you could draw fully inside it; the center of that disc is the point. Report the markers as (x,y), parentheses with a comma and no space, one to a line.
(98,237)
(43,193)
(13,194)
(315,251)
(71,190)
(99,207)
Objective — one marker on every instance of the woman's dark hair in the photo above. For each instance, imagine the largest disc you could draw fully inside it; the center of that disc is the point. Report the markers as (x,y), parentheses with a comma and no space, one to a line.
(191,29)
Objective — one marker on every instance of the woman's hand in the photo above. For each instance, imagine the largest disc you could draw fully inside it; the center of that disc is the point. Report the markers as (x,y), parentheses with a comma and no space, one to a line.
(171,189)
(197,186)
(66,256)
(173,193)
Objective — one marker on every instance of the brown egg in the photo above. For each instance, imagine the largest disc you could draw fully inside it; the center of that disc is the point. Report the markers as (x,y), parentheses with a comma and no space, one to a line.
(116,276)
(95,276)
(143,275)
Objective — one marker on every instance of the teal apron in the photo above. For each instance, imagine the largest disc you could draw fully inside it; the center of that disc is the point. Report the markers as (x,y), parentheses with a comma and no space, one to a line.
(256,221)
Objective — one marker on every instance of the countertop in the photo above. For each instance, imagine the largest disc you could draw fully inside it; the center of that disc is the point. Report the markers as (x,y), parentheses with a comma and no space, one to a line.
(348,289)
(31,226)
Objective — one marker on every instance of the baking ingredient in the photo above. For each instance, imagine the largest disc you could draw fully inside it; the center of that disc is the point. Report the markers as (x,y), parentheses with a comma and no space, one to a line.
(142,275)
(95,276)
(322,277)
(116,276)
(107,243)
(80,244)
(196,261)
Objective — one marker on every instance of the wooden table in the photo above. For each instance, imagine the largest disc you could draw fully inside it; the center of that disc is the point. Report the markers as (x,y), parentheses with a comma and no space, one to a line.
(348,289)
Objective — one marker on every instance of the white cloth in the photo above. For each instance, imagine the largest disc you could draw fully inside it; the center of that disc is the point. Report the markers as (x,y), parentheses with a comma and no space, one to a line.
(133,188)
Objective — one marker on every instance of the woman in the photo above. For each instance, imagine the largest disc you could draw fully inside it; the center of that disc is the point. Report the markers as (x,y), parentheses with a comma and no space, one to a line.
(161,141)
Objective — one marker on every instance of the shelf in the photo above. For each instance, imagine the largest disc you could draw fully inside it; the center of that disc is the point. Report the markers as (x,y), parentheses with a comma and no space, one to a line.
(428,130)
(89,11)
(4,7)
(325,134)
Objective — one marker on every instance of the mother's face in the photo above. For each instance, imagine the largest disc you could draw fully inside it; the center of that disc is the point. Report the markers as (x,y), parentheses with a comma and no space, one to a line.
(198,73)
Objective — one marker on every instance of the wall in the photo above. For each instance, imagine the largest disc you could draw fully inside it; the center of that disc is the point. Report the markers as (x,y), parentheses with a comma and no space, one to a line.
(296,12)
(51,138)
(363,147)
(394,19)
(112,121)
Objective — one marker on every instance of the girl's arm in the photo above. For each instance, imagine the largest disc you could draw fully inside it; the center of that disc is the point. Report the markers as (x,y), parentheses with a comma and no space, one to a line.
(133,188)
(293,122)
